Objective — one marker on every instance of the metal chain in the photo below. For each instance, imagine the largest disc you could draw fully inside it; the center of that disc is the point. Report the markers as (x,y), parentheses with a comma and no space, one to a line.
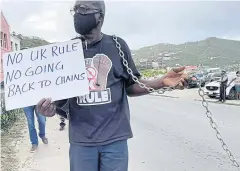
(135,79)
(215,127)
(163,90)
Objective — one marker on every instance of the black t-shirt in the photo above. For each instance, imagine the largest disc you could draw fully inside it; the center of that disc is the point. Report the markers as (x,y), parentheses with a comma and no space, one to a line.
(103,116)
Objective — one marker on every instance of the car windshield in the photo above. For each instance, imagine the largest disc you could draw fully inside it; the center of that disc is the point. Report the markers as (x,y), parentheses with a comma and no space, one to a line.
(216,75)
(198,75)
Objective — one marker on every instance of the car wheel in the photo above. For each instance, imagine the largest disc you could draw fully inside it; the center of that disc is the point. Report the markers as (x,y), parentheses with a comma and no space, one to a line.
(203,84)
(232,94)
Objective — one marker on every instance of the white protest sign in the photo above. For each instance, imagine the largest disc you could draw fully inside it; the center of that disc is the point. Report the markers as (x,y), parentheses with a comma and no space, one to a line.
(56,71)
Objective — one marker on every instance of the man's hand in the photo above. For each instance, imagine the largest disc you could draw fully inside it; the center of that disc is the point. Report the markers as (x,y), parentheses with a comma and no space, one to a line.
(175,78)
(46,108)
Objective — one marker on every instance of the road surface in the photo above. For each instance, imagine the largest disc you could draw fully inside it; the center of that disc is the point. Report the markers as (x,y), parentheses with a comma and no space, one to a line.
(175,135)
(169,135)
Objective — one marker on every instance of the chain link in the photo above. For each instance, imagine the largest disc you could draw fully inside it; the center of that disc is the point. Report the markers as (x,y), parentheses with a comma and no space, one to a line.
(163,90)
(215,127)
(135,79)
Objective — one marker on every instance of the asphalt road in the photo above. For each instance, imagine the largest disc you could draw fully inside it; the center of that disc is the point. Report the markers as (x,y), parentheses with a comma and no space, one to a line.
(175,135)
(169,135)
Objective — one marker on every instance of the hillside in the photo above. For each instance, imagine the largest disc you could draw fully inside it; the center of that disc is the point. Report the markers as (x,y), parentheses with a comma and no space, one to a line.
(212,52)
(31,41)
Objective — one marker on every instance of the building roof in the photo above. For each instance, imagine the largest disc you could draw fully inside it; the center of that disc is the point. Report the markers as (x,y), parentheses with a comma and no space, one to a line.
(15,36)
(4,17)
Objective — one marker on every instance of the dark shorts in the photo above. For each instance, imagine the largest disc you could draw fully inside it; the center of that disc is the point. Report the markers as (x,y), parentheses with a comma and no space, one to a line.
(112,157)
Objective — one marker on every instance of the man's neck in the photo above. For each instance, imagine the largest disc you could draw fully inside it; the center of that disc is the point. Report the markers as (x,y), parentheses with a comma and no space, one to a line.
(93,37)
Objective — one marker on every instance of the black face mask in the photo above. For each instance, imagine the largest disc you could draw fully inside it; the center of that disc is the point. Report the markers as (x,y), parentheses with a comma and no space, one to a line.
(84,24)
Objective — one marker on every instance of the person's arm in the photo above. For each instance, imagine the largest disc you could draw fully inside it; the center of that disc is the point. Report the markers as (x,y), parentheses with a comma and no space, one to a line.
(136,90)
(49,109)
(133,89)
(61,103)
(62,107)
(61,112)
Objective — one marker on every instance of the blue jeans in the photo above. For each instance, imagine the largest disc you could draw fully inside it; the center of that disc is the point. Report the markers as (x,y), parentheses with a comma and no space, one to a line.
(112,157)
(29,112)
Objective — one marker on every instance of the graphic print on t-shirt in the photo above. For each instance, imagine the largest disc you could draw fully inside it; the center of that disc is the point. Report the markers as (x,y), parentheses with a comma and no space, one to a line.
(97,69)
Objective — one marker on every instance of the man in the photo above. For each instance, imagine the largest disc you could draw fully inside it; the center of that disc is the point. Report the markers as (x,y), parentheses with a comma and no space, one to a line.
(237,85)
(29,112)
(223,86)
(99,123)
(236,80)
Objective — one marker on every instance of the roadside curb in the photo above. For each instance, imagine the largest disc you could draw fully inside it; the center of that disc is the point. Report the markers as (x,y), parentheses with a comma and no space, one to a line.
(217,102)
(209,101)
(163,96)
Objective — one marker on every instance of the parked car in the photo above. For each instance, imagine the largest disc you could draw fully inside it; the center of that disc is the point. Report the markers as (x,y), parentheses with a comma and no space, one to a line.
(213,77)
(192,82)
(213,70)
(200,77)
(212,89)
(194,79)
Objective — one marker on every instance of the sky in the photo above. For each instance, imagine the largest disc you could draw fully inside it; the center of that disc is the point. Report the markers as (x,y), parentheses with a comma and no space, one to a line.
(139,23)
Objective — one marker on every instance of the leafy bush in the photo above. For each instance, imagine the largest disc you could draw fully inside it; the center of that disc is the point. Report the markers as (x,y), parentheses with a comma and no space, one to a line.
(152,73)
(8,117)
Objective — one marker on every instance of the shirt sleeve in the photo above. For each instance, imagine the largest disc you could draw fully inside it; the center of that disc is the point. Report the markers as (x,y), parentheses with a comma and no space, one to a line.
(127,77)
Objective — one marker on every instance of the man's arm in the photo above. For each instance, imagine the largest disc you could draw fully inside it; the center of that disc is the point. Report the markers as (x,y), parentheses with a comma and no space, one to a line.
(62,107)
(48,108)
(136,90)
(61,112)
(61,103)
(176,77)
(133,89)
